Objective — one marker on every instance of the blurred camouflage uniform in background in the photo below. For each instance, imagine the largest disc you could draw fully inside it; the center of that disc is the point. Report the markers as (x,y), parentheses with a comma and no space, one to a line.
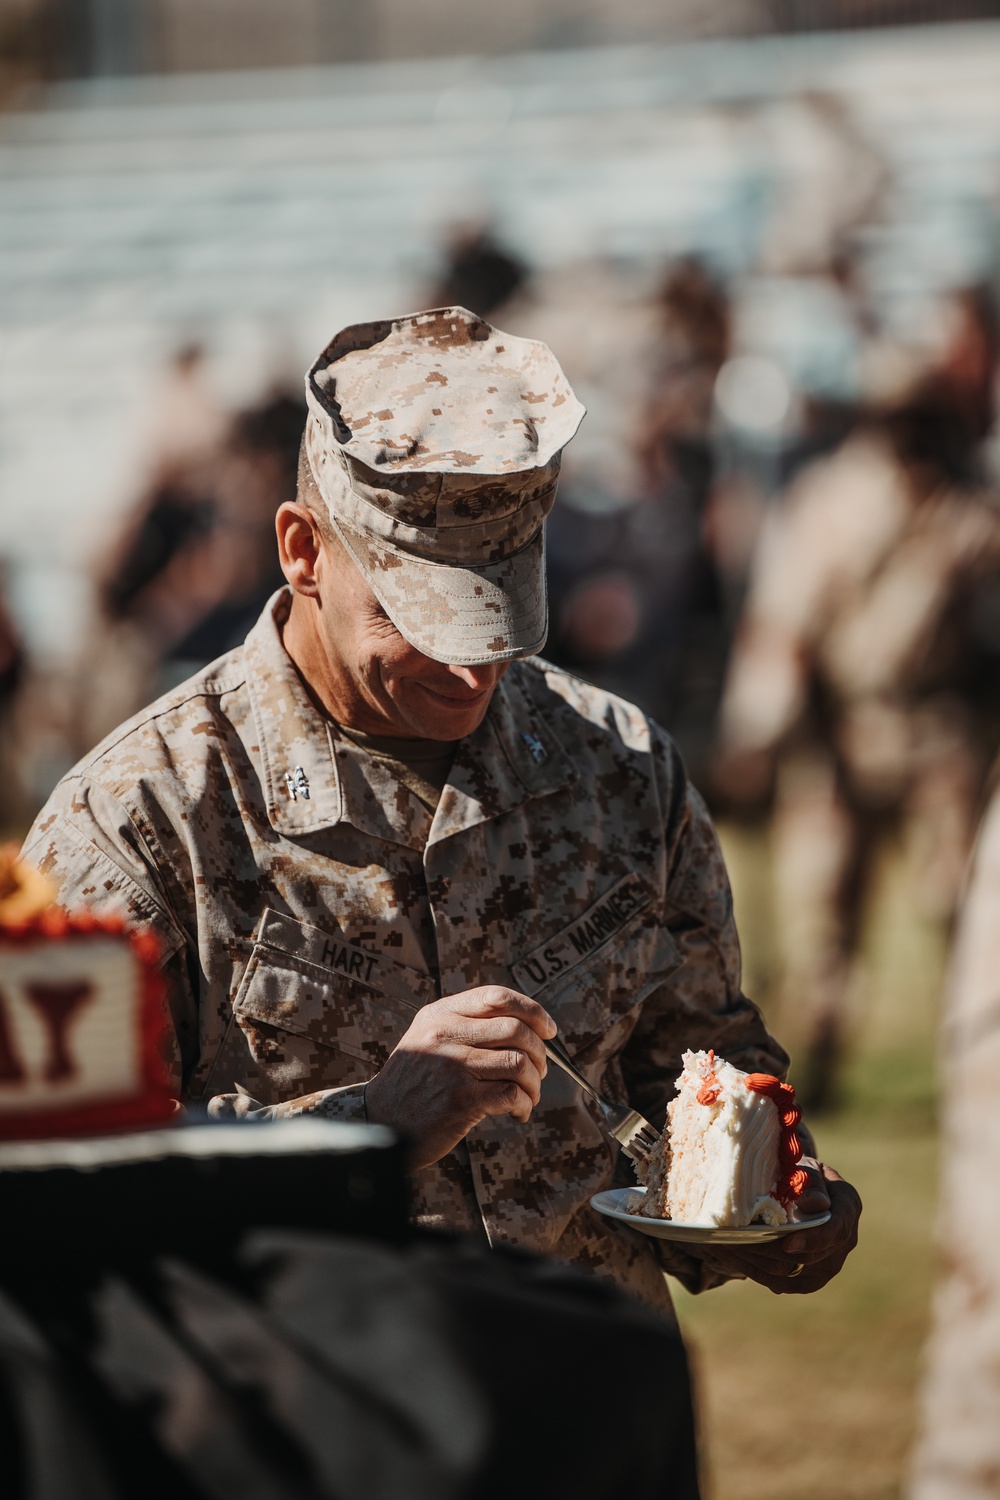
(636,599)
(194,559)
(863,688)
(958,1453)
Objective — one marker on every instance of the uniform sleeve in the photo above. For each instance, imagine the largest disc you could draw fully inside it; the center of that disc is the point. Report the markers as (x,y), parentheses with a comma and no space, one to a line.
(701,1004)
(332,1104)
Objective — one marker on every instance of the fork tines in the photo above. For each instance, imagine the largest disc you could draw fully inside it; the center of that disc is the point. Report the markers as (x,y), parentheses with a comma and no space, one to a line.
(640,1143)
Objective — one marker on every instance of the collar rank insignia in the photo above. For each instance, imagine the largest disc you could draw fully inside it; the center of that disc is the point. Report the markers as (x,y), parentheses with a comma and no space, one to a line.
(536,748)
(297,783)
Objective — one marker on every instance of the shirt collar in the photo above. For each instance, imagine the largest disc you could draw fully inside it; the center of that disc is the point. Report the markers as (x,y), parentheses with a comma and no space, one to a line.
(513,755)
(299,771)
(313,780)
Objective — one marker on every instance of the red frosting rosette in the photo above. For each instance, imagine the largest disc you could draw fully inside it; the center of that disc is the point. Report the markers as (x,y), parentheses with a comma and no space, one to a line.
(792,1181)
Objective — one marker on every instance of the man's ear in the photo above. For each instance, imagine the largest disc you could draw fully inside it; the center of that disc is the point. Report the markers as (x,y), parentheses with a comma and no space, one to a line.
(299,546)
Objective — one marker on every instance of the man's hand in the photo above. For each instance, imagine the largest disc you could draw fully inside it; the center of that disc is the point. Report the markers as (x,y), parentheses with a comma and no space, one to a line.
(464,1057)
(819,1252)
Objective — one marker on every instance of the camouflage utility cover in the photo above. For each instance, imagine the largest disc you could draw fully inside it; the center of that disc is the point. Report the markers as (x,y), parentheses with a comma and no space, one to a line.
(307,902)
(435,442)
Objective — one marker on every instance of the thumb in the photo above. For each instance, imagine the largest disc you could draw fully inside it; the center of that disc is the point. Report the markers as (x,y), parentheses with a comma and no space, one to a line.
(814,1199)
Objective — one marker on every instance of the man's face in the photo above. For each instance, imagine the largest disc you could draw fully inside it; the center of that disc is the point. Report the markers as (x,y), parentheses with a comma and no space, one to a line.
(377,682)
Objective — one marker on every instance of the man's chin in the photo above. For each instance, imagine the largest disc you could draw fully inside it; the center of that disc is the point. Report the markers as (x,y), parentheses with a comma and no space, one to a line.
(437,717)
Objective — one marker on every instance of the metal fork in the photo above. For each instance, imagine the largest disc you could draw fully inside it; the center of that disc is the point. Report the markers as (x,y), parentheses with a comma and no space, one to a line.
(634,1134)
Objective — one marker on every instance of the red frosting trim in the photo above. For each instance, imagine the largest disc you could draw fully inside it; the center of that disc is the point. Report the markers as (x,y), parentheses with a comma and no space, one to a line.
(792,1180)
(711,1088)
(151,1104)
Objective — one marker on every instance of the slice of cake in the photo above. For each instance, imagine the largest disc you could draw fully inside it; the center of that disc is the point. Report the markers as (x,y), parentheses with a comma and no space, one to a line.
(729,1155)
(81,1017)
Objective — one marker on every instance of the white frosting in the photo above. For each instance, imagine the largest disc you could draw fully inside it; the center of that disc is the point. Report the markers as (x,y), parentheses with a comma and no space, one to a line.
(719,1163)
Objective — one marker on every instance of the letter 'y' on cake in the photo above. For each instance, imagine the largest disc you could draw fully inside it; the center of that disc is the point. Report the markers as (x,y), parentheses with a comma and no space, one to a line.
(81,1017)
(729,1155)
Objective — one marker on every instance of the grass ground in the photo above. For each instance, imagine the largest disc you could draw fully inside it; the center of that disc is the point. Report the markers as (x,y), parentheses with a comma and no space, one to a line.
(816,1396)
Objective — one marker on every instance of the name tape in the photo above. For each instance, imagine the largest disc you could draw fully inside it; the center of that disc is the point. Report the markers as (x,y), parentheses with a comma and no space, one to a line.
(357,962)
(584,936)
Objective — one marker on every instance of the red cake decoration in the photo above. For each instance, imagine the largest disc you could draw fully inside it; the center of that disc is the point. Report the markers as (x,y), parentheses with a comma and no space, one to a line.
(793,1180)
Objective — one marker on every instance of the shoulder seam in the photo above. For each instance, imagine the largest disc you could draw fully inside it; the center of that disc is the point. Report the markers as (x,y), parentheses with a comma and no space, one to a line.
(206,690)
(611,699)
(144,898)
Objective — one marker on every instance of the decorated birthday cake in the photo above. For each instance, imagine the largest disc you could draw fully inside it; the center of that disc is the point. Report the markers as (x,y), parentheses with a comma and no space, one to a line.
(81,1017)
(729,1155)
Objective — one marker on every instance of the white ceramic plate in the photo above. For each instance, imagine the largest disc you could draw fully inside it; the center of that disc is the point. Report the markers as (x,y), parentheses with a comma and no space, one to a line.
(612,1203)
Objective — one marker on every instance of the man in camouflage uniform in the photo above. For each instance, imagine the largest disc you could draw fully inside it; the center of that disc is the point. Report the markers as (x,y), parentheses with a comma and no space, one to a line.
(958,1455)
(386,857)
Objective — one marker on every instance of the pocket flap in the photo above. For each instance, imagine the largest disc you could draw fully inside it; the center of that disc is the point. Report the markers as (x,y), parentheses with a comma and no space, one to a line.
(313,983)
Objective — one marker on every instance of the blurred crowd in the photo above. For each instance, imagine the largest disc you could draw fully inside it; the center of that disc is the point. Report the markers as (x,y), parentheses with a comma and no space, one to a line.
(798,575)
(820,632)
(799,579)
(801,583)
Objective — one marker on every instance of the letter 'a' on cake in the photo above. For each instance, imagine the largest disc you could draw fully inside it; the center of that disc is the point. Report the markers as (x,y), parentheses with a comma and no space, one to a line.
(81,1018)
(729,1155)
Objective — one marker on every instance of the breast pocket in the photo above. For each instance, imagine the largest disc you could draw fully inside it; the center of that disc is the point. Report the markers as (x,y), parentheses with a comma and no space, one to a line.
(316,1011)
(595,972)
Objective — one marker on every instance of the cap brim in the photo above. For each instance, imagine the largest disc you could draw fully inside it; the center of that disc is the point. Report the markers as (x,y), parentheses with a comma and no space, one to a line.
(459,616)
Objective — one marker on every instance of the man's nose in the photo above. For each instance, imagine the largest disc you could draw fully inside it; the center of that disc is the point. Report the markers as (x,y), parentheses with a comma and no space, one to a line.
(478,678)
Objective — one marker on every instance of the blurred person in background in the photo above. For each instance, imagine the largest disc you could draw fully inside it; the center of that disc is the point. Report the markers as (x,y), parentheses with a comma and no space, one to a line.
(830,177)
(670,526)
(195,560)
(957,1455)
(257,472)
(186,423)
(863,688)
(637,603)
(180,440)
(478,271)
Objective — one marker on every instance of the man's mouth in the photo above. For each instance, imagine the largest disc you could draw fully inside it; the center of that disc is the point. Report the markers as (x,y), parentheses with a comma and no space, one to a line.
(464,700)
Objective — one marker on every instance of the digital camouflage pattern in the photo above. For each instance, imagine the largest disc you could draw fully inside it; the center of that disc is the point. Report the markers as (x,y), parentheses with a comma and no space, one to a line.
(435,442)
(307,902)
(958,1455)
